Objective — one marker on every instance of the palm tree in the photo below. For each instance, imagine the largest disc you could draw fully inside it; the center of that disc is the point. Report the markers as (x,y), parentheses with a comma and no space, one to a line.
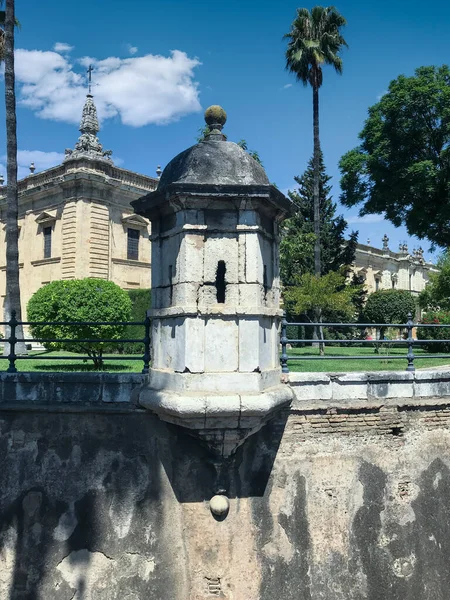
(12,300)
(315,40)
(2,32)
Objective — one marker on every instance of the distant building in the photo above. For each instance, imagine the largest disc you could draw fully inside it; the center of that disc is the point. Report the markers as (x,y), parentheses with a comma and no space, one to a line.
(76,220)
(382,268)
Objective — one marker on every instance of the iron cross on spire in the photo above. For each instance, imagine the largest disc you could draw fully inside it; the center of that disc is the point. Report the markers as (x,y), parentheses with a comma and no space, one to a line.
(89,72)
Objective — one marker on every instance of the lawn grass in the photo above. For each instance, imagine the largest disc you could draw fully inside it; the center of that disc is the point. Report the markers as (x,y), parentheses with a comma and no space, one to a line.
(48,361)
(328,365)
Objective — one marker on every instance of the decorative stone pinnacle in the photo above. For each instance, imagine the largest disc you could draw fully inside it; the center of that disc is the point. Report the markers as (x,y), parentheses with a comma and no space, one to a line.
(88,145)
(215,118)
(385,242)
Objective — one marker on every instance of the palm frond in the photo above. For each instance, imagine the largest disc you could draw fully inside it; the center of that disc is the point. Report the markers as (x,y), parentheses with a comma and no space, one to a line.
(315,39)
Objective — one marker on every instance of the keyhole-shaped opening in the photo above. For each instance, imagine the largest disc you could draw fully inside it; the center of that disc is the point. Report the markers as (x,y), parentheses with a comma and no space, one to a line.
(265,284)
(220,281)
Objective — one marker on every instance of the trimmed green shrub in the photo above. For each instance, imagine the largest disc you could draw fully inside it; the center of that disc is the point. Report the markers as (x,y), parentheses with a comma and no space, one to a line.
(438,317)
(140,303)
(389,306)
(80,300)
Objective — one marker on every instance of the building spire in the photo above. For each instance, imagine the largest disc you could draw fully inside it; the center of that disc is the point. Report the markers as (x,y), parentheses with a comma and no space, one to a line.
(89,72)
(88,144)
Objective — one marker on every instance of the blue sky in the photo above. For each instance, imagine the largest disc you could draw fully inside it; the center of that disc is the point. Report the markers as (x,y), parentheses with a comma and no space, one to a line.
(159,64)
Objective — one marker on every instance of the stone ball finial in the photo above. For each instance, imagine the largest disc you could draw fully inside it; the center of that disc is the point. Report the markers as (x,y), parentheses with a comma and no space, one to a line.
(219,506)
(215,117)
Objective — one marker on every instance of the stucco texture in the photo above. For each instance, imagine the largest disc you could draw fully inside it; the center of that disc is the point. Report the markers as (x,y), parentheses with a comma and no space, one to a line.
(322,506)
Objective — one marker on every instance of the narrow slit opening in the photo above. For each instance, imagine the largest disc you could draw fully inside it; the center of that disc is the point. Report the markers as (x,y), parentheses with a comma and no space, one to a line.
(220,281)
(170,284)
(265,285)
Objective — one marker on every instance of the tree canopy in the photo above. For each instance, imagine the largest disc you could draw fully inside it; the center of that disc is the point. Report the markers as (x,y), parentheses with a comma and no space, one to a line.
(328,293)
(389,306)
(402,166)
(79,300)
(314,40)
(436,294)
(298,237)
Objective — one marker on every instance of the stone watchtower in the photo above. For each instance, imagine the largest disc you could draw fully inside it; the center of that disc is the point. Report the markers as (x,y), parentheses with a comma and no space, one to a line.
(215,291)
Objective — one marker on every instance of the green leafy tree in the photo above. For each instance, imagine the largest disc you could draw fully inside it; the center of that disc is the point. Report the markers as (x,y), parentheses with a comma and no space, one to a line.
(436,334)
(296,249)
(140,303)
(389,306)
(79,300)
(315,40)
(436,294)
(298,234)
(327,293)
(402,166)
(298,238)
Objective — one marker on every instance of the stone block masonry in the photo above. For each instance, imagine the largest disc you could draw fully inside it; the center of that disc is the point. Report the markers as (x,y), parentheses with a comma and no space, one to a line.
(338,497)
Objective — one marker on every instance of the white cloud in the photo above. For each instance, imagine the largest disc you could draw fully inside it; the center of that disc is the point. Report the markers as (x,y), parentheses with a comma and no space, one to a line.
(42,160)
(141,90)
(62,47)
(132,49)
(381,95)
(365,219)
(287,86)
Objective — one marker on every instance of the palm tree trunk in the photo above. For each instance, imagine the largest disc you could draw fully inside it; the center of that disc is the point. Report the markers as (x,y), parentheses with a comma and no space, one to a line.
(316,197)
(316,190)
(12,300)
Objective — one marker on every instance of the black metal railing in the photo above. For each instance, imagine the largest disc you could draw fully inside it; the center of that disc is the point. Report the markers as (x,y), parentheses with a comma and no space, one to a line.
(13,340)
(408,342)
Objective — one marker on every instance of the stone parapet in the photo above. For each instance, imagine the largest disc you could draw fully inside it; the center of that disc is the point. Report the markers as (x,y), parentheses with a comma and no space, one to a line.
(69,390)
(367,389)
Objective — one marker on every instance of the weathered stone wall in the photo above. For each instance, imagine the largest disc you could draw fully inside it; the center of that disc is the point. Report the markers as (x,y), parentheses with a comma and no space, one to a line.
(343,499)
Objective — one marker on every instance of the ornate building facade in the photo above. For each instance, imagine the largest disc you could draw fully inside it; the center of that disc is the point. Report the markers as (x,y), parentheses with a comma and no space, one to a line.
(76,220)
(382,268)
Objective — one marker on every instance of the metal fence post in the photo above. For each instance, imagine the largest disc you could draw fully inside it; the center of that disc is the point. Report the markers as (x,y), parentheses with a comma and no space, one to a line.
(410,355)
(12,343)
(284,356)
(146,357)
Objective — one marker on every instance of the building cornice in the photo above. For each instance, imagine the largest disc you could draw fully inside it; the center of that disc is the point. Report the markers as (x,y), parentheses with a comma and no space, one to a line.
(81,166)
(130,263)
(378,253)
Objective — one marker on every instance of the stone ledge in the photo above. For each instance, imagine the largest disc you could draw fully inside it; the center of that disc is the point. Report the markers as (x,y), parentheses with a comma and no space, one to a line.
(46,261)
(212,416)
(209,410)
(81,389)
(213,382)
(211,311)
(130,263)
(368,389)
